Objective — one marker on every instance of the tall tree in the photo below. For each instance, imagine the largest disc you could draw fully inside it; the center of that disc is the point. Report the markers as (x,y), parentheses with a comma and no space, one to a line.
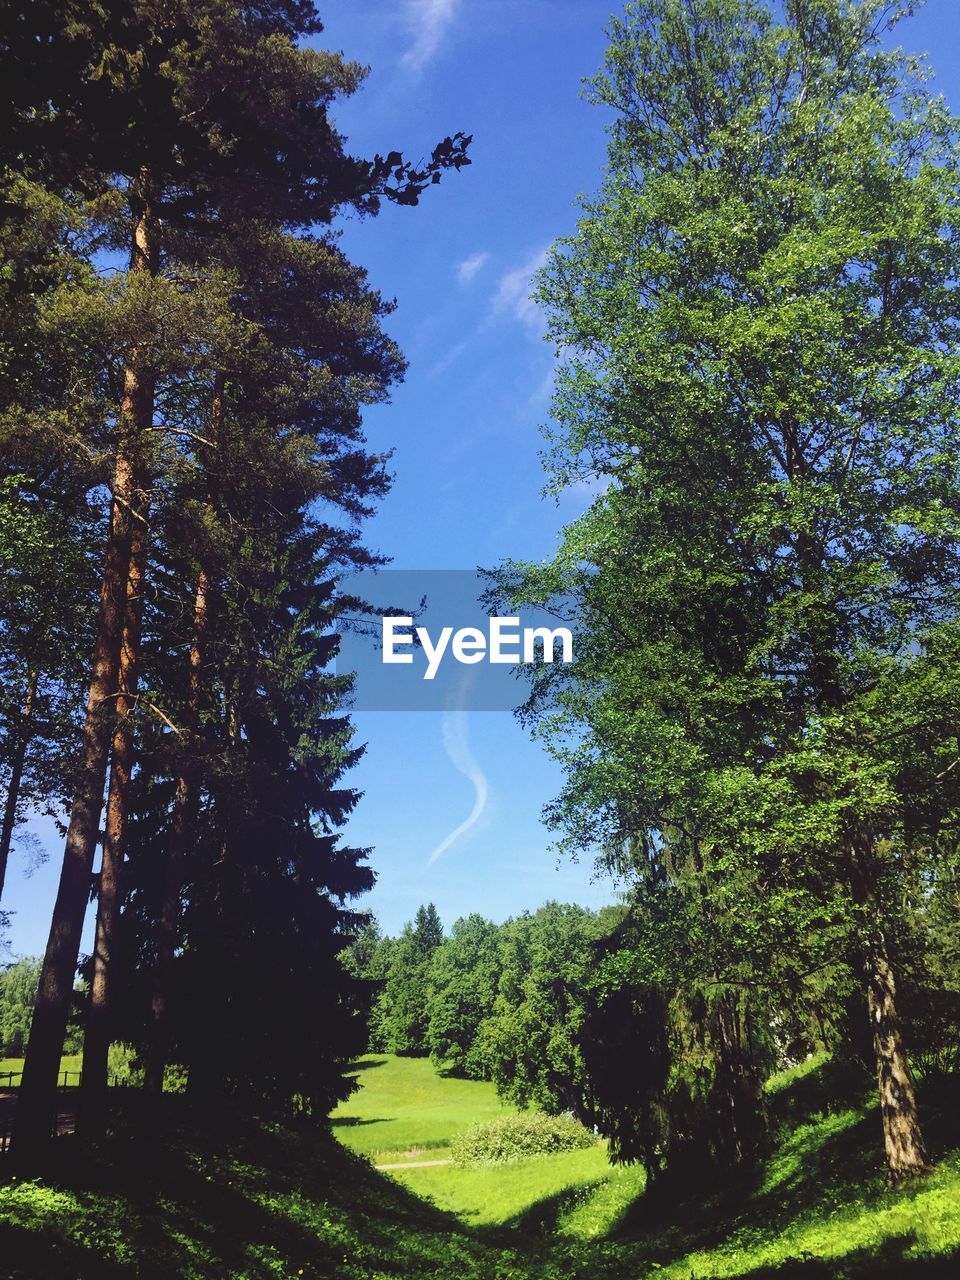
(52,410)
(403,1018)
(759,315)
(169,115)
(462,983)
(530,1045)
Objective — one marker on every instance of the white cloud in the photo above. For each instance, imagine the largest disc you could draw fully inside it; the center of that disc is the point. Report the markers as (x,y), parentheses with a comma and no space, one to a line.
(513,292)
(444,363)
(458,749)
(469,267)
(426,21)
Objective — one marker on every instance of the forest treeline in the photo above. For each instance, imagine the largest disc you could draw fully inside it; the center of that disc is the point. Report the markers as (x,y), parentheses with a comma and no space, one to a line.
(569,1010)
(185,355)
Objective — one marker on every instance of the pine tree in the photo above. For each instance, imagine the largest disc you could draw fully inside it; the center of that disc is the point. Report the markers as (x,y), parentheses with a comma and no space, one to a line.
(169,117)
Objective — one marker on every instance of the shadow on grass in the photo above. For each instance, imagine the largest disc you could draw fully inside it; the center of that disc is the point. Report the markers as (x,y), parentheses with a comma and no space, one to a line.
(888,1260)
(366,1064)
(807,1170)
(27,1254)
(339,1122)
(255,1201)
(543,1218)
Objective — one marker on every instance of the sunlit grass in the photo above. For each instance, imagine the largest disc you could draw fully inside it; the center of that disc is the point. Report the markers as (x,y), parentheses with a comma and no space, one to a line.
(69,1062)
(403,1105)
(494,1194)
(260,1202)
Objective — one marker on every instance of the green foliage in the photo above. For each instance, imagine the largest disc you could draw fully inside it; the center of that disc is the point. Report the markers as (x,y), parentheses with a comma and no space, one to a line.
(760,379)
(531,1043)
(462,986)
(402,1017)
(532,1133)
(18,988)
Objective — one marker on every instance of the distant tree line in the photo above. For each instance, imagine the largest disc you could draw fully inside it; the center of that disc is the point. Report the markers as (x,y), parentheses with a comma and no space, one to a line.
(607,1015)
(489,1002)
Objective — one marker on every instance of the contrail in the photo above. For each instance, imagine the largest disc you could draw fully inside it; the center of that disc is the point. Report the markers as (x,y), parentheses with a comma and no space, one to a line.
(458,749)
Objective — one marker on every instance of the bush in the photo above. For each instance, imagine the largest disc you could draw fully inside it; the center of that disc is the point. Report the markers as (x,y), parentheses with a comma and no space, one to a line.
(533,1133)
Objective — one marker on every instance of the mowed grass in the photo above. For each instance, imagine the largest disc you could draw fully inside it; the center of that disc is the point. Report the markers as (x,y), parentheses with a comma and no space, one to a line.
(818,1206)
(403,1106)
(404,1112)
(69,1062)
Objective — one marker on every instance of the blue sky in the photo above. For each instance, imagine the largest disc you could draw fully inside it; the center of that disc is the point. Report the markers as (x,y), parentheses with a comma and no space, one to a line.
(465,424)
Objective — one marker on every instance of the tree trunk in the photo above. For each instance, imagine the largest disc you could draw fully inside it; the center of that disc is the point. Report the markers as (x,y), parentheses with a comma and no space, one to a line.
(97,1033)
(902,1137)
(739,1095)
(16,776)
(36,1102)
(182,819)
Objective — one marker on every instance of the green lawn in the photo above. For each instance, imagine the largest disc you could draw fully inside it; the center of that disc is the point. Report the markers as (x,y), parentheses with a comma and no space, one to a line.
(404,1106)
(69,1062)
(255,1202)
(819,1200)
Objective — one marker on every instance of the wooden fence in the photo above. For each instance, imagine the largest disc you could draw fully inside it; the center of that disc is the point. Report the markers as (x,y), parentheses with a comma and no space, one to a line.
(65,1121)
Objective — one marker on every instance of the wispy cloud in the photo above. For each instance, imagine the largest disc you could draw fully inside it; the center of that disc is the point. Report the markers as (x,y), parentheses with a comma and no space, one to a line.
(514,289)
(444,363)
(426,22)
(469,267)
(461,757)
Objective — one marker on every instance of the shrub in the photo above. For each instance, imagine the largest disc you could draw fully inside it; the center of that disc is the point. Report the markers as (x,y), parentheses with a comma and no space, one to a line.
(533,1133)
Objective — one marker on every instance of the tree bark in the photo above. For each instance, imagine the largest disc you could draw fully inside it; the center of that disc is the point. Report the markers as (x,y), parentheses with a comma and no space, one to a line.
(902,1136)
(36,1103)
(97,1033)
(739,1094)
(16,776)
(182,819)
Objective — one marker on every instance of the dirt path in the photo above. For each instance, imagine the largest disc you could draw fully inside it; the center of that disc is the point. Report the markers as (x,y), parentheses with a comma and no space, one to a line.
(413,1164)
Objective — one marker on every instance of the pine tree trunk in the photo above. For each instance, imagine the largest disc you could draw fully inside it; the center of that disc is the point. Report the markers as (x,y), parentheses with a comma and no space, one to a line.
(902,1137)
(16,776)
(182,819)
(36,1102)
(97,1033)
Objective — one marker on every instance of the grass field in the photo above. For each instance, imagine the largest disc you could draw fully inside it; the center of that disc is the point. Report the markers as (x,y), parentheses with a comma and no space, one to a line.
(404,1109)
(574,1193)
(69,1062)
(818,1201)
(250,1201)
(404,1112)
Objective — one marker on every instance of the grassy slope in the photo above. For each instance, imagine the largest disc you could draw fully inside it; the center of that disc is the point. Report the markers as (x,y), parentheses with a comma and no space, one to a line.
(818,1202)
(403,1105)
(574,1193)
(265,1203)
